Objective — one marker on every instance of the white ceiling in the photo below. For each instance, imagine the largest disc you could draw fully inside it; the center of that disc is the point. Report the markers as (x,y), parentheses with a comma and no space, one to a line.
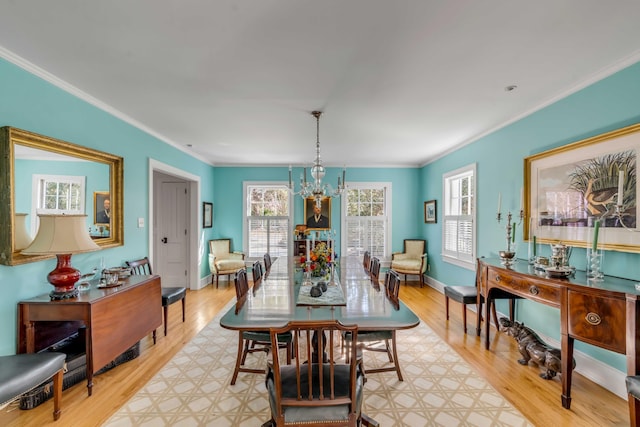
(401,82)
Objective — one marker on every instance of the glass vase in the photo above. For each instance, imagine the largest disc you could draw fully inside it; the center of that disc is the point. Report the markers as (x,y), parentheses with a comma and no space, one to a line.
(594,264)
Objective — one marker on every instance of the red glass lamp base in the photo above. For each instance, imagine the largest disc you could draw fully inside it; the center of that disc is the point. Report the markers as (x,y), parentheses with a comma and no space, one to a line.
(64,278)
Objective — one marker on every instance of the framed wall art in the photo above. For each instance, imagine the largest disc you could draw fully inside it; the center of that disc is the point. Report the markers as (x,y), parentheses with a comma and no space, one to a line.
(207,215)
(317,219)
(101,207)
(430,214)
(569,188)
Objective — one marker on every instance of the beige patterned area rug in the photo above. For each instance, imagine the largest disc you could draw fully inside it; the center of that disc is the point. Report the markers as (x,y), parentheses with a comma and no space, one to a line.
(439,388)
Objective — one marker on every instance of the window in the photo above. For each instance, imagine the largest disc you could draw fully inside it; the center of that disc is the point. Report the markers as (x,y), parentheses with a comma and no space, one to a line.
(367,219)
(267,219)
(458,231)
(58,194)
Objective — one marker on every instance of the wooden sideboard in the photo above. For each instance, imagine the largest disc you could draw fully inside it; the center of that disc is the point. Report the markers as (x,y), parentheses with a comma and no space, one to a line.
(115,319)
(605,314)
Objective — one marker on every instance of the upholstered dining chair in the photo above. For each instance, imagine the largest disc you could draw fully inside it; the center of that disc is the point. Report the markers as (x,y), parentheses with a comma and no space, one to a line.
(315,390)
(371,340)
(222,261)
(252,341)
(169,294)
(466,295)
(633,391)
(412,260)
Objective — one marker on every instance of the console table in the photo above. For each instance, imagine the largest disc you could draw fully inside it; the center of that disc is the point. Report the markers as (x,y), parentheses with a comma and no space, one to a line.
(115,318)
(605,314)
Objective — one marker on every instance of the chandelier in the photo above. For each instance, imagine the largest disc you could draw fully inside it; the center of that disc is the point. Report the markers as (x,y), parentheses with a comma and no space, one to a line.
(314,187)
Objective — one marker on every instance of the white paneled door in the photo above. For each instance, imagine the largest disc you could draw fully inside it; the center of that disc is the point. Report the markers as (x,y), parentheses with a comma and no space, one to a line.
(173,226)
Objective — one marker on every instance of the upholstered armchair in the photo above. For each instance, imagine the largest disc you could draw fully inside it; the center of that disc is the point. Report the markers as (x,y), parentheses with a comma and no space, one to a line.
(223,262)
(413,260)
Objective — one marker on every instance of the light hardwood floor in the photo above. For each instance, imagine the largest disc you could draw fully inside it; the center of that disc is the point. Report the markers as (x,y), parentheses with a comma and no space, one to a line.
(537,399)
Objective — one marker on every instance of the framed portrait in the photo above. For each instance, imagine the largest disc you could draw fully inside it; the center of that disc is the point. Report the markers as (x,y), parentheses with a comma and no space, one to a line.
(317,219)
(430,215)
(569,188)
(102,208)
(207,215)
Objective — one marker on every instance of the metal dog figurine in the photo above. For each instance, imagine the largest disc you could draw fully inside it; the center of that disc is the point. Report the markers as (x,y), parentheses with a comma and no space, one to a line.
(531,347)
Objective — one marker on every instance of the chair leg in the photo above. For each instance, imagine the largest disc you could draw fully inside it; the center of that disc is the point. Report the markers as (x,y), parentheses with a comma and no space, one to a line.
(239,358)
(217,277)
(57,393)
(184,303)
(464,317)
(166,315)
(446,306)
(395,355)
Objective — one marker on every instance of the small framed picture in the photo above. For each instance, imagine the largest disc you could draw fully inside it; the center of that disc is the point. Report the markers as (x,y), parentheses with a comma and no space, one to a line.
(207,215)
(430,216)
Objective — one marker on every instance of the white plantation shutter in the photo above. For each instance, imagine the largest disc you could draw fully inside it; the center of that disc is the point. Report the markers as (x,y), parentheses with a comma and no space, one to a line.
(365,223)
(267,220)
(458,231)
(366,234)
(458,237)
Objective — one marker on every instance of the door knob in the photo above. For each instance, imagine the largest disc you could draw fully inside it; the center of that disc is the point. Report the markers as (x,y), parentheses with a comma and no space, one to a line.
(163,240)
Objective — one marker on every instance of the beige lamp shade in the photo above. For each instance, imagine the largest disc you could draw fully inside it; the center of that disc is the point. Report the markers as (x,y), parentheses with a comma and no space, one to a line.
(61,234)
(22,238)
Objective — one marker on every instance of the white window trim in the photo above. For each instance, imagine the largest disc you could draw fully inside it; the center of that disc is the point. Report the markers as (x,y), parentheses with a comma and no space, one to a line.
(469,265)
(245,199)
(388,201)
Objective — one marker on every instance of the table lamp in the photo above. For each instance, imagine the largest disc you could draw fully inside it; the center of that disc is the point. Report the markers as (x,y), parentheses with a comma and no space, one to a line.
(22,239)
(62,236)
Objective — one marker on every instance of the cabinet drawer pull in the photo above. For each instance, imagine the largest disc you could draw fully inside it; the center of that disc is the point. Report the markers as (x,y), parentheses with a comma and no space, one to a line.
(533,290)
(593,318)
(498,278)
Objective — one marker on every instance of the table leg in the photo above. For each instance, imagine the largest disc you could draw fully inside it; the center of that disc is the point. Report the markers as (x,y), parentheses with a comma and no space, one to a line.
(487,322)
(567,369)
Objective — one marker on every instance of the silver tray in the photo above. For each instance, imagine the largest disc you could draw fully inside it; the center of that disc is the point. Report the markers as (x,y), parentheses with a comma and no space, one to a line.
(560,271)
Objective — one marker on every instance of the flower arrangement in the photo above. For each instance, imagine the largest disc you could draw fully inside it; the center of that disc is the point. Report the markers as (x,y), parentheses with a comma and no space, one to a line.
(320,257)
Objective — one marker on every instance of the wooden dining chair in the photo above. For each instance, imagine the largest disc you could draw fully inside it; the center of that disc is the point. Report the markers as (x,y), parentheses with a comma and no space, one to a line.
(257,272)
(318,389)
(467,295)
(169,294)
(252,341)
(267,263)
(366,261)
(375,272)
(382,340)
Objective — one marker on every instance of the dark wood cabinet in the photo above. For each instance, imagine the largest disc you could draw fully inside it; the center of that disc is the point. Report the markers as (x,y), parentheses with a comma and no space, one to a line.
(115,319)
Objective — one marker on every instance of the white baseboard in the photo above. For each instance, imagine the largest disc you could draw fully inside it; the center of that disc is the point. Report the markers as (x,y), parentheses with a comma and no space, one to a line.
(587,366)
(203,282)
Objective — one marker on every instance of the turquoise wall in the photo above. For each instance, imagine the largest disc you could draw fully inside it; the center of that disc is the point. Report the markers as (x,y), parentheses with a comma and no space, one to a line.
(30,103)
(609,104)
(228,188)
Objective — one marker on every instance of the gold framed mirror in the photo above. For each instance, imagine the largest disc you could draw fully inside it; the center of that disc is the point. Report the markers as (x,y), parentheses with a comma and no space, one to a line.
(44,173)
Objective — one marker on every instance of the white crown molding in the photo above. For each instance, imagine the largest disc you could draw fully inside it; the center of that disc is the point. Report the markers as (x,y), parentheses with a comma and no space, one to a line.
(71,89)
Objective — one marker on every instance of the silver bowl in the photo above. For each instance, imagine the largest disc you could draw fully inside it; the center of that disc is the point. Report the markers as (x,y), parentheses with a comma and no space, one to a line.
(506,254)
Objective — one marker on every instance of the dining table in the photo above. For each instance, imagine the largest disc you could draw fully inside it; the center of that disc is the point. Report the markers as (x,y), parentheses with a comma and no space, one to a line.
(351,298)
(282,296)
